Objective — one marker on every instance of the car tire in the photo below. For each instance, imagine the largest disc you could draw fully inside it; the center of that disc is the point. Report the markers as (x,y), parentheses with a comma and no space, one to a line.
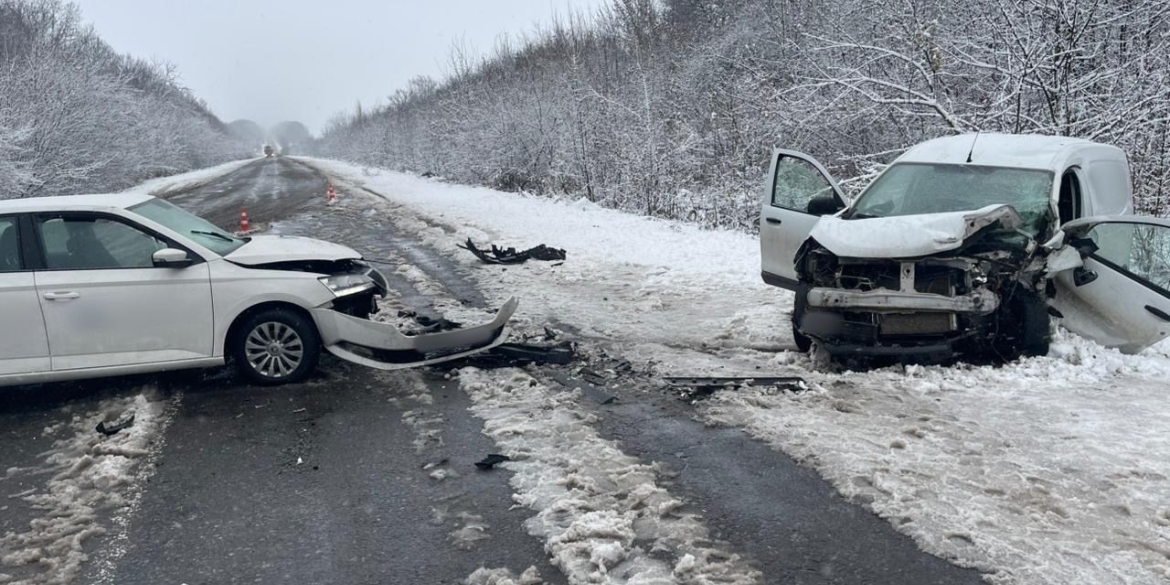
(803,342)
(1029,323)
(1036,327)
(276,346)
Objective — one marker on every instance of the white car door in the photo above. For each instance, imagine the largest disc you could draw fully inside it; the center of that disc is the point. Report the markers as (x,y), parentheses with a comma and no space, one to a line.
(796,180)
(24,348)
(104,301)
(1121,296)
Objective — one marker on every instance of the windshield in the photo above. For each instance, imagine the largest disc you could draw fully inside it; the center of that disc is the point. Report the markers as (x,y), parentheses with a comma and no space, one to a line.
(189,225)
(914,189)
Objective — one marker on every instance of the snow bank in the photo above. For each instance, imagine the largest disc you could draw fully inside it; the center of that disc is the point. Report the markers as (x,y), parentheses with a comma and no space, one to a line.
(1047,470)
(586,230)
(165,185)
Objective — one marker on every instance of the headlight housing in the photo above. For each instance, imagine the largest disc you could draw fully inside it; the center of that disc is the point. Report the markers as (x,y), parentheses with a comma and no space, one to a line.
(347,284)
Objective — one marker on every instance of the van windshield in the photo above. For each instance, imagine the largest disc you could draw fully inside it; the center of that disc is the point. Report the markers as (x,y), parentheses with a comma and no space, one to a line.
(916,189)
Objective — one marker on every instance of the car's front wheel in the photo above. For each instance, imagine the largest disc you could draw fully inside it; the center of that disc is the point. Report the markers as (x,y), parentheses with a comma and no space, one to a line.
(276,346)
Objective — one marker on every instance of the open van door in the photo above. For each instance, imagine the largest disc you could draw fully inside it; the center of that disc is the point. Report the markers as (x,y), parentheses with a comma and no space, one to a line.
(1120,297)
(798,192)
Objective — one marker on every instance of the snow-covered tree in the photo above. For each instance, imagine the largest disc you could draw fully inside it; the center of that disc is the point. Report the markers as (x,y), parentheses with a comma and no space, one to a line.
(77,117)
(670,107)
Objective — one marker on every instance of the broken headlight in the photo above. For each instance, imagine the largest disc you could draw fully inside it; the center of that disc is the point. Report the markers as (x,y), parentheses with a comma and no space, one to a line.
(347,284)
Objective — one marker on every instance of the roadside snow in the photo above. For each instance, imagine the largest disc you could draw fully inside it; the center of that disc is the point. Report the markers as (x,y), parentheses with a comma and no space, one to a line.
(165,185)
(485,576)
(91,474)
(1045,471)
(1048,470)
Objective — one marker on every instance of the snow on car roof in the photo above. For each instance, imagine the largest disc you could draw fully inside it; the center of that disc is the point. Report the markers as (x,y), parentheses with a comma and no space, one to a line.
(73,202)
(1002,150)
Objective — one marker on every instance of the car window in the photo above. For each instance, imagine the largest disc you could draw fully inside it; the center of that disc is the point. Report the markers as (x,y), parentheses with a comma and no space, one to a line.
(1069,203)
(9,246)
(85,243)
(797,183)
(1140,249)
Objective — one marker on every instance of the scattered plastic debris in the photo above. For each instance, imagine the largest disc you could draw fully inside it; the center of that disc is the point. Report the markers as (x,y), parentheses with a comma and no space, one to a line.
(491,461)
(512,355)
(499,255)
(109,428)
(698,387)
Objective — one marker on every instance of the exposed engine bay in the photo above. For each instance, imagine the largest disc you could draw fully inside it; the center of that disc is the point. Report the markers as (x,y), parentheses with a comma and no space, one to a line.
(986,294)
(360,299)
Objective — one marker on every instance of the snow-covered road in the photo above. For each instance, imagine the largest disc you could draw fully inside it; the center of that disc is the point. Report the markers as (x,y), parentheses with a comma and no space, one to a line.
(79,481)
(1049,470)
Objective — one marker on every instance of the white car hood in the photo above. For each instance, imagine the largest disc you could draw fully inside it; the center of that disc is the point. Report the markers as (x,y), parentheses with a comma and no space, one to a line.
(908,236)
(269,249)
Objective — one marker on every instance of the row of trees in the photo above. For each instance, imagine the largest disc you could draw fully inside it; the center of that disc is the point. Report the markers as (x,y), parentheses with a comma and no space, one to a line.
(77,117)
(670,107)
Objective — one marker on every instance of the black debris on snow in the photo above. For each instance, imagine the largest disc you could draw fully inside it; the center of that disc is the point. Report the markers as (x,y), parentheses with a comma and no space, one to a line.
(110,428)
(491,461)
(499,255)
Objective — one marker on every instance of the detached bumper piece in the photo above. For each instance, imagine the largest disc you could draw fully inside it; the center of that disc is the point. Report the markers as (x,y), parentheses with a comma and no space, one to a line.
(383,346)
(499,255)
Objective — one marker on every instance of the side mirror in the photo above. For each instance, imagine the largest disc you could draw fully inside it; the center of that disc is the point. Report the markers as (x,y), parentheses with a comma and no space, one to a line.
(1083,276)
(1085,246)
(171,258)
(827,205)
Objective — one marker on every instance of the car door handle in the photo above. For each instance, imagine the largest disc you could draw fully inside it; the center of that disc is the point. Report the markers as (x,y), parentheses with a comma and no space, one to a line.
(62,296)
(773,220)
(1163,315)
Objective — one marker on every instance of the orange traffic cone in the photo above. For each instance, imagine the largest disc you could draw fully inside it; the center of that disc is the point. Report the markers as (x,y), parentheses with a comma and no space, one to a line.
(244,226)
(330,196)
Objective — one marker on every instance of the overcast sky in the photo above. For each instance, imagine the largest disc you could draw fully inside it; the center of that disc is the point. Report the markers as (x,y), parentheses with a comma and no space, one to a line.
(275,60)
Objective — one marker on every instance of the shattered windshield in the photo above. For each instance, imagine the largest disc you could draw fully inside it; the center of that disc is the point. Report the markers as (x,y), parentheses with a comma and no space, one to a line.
(915,189)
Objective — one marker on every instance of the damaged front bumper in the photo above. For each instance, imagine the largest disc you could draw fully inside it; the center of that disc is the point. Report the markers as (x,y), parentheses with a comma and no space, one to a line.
(979,302)
(385,347)
(926,287)
(890,323)
(927,308)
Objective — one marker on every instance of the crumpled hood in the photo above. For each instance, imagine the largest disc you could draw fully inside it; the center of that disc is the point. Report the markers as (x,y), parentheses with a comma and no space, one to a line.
(269,249)
(909,236)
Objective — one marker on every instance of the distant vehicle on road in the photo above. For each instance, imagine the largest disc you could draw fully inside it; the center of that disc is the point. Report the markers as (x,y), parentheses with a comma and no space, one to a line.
(269,152)
(100,285)
(967,244)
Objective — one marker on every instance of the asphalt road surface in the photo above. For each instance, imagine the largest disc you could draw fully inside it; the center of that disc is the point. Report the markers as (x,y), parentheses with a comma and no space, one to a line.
(329,481)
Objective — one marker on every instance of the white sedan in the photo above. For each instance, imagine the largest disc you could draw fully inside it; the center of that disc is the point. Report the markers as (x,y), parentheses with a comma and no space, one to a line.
(100,285)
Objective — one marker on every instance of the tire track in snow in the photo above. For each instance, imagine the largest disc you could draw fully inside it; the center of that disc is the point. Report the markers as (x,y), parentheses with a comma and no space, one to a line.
(107,560)
(601,513)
